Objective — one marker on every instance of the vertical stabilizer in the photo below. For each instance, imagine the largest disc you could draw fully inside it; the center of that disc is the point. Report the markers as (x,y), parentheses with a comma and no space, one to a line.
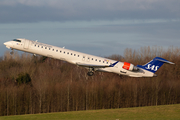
(154,64)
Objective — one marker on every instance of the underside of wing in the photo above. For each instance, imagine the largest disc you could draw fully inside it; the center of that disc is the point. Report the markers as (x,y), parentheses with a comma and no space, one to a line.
(96,66)
(92,65)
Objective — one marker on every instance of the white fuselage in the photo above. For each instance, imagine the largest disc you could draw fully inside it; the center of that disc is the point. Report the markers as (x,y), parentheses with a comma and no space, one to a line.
(74,57)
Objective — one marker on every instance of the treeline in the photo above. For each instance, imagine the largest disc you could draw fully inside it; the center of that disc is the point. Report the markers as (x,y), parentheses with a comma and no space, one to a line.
(30,85)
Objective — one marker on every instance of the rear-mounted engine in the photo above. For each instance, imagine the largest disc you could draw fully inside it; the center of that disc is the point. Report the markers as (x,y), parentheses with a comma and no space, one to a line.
(129,66)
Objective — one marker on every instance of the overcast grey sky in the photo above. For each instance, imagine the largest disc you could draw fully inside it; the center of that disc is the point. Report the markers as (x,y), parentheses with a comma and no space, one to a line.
(99,27)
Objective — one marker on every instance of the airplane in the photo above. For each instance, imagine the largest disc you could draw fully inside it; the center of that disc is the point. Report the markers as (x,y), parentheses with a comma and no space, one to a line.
(91,62)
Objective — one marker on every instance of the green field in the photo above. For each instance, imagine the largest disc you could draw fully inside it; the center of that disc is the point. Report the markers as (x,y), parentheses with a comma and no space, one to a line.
(163,112)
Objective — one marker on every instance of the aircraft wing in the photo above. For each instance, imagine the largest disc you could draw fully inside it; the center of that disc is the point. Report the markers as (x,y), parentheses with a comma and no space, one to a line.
(96,66)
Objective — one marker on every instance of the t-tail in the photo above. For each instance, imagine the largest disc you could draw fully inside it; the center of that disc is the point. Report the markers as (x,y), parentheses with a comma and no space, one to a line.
(154,64)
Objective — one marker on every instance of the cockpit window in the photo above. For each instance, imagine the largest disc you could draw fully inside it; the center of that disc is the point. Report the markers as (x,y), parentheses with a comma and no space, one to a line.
(17,40)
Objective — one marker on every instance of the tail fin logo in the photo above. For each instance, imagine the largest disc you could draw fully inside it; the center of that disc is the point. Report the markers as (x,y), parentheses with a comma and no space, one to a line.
(152,67)
(154,64)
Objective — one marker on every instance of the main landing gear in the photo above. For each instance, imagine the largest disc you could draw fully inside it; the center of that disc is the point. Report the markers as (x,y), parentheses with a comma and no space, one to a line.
(91,72)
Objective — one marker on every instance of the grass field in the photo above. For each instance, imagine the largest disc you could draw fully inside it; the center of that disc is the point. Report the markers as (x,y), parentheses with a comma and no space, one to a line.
(163,112)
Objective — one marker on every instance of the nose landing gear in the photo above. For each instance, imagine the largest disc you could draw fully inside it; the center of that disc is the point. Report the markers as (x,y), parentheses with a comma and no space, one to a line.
(12,51)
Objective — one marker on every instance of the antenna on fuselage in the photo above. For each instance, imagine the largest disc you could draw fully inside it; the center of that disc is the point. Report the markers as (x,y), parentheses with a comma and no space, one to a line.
(36,40)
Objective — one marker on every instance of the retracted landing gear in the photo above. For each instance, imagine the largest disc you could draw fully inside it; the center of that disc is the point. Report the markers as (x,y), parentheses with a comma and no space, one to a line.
(91,72)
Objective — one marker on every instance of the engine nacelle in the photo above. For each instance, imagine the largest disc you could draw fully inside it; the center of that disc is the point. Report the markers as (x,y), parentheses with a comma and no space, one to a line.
(129,66)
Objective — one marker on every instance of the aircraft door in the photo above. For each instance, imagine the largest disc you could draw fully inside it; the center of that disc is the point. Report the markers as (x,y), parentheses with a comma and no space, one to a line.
(26,44)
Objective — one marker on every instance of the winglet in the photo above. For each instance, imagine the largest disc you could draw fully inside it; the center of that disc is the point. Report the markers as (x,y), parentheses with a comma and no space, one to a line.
(112,65)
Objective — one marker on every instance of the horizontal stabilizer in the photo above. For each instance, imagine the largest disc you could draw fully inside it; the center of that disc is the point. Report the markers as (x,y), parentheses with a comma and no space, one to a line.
(164,60)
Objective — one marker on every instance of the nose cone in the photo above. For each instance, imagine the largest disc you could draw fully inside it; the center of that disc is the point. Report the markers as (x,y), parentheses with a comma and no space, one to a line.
(8,44)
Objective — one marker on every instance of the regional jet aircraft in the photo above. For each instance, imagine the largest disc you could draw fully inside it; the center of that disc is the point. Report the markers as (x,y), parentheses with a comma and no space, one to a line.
(91,62)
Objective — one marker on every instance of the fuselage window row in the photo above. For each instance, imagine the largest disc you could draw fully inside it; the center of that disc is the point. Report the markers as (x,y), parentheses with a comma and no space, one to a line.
(69,53)
(95,59)
(56,50)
